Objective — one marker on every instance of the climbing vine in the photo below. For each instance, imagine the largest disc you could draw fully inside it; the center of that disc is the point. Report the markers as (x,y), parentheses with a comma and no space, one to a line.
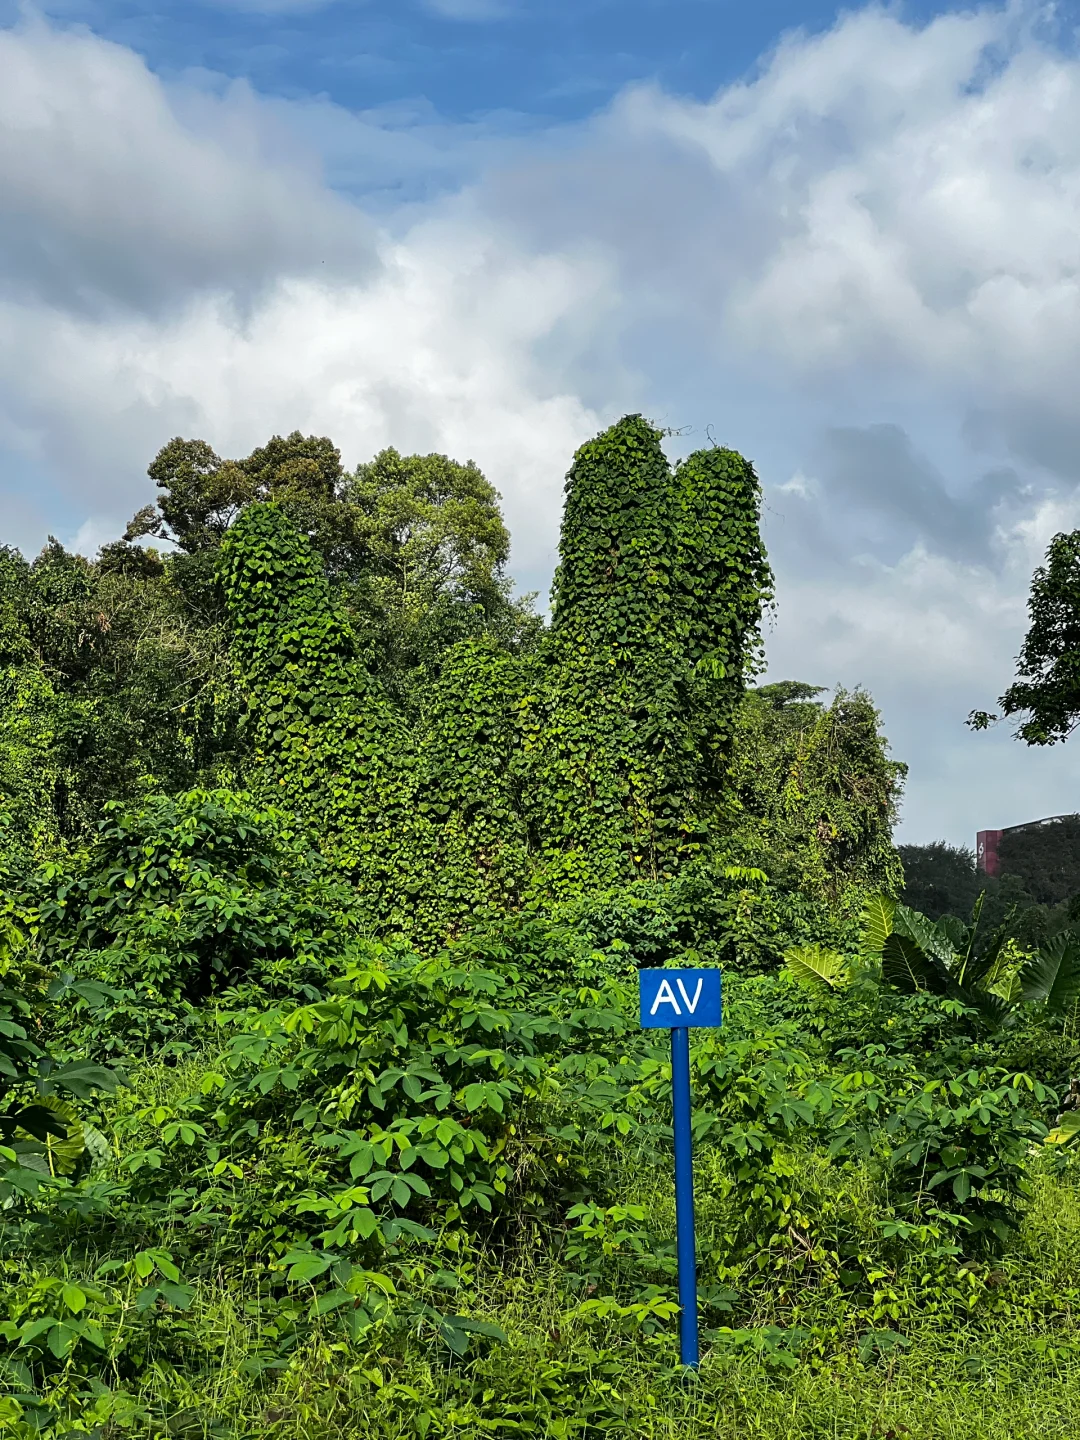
(657,600)
(593,758)
(813,794)
(418,815)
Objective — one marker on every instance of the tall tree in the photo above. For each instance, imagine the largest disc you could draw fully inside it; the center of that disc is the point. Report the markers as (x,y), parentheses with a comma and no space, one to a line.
(813,791)
(202,495)
(1047,687)
(110,684)
(655,627)
(414,545)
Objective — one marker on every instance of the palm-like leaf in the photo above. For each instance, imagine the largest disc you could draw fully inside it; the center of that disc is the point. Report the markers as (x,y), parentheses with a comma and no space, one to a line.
(1053,975)
(994,965)
(65,1151)
(922,955)
(1004,982)
(954,931)
(817,969)
(991,1008)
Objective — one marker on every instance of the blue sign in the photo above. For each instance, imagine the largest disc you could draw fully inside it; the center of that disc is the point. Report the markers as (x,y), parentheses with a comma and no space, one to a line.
(674,998)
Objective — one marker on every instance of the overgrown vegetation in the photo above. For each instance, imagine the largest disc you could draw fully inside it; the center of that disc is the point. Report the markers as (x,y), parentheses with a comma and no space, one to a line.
(327,867)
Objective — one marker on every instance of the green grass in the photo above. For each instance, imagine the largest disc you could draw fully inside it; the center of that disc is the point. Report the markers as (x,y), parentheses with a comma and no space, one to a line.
(1009,1370)
(553,1378)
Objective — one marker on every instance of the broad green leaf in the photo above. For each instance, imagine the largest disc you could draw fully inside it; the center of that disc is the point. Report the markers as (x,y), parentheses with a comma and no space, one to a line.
(73,1298)
(178,1296)
(454,1337)
(1053,975)
(1066,1130)
(817,969)
(166,1265)
(82,1078)
(62,1339)
(931,940)
(41,1120)
(877,924)
(905,965)
(487,1328)
(34,1329)
(990,1007)
(308,1265)
(331,1300)
(64,1151)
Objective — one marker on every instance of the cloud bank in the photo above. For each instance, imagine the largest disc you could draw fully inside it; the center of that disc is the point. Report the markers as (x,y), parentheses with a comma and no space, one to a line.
(861,266)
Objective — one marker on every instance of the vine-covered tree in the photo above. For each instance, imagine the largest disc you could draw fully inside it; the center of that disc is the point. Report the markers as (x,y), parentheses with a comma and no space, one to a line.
(593,759)
(347,647)
(813,792)
(656,607)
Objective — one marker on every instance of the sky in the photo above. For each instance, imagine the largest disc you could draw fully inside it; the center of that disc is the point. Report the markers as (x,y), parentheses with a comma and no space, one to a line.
(844,242)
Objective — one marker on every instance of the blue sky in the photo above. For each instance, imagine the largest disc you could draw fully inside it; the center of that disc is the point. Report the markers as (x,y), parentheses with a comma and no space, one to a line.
(845,242)
(544,60)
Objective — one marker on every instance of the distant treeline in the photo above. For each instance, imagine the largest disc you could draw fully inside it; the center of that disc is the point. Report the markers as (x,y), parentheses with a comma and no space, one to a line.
(1039,873)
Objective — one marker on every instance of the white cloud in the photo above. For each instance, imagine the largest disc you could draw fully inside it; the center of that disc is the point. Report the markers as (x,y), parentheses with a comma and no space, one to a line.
(862,266)
(918,204)
(933,638)
(239,327)
(389,157)
(433,354)
(110,199)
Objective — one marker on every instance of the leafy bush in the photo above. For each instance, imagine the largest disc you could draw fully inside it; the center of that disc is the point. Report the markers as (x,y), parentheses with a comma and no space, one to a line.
(182,897)
(43,1140)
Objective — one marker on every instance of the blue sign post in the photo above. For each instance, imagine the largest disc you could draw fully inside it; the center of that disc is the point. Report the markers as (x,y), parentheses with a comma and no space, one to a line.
(675,1000)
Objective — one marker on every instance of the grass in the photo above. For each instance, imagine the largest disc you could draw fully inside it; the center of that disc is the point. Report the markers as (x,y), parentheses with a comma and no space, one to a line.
(1010,1370)
(554,1378)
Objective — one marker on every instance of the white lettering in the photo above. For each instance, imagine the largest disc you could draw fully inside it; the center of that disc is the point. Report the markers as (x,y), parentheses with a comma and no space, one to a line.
(686,998)
(665,996)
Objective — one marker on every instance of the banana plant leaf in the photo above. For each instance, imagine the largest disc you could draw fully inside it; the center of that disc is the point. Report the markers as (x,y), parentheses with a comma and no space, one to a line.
(877,925)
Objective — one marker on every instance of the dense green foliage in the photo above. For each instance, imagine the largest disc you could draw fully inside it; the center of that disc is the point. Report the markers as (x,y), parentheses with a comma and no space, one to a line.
(596,756)
(813,793)
(1036,893)
(324,1107)
(1044,858)
(1047,687)
(941,879)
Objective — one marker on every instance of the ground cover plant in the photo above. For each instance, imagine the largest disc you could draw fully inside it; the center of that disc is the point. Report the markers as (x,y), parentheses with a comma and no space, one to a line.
(326,869)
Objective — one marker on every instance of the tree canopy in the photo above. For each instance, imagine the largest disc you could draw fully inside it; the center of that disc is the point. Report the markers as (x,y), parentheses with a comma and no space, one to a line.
(1047,687)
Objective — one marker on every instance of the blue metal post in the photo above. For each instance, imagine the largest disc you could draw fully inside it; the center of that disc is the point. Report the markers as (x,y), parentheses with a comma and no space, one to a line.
(684,1197)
